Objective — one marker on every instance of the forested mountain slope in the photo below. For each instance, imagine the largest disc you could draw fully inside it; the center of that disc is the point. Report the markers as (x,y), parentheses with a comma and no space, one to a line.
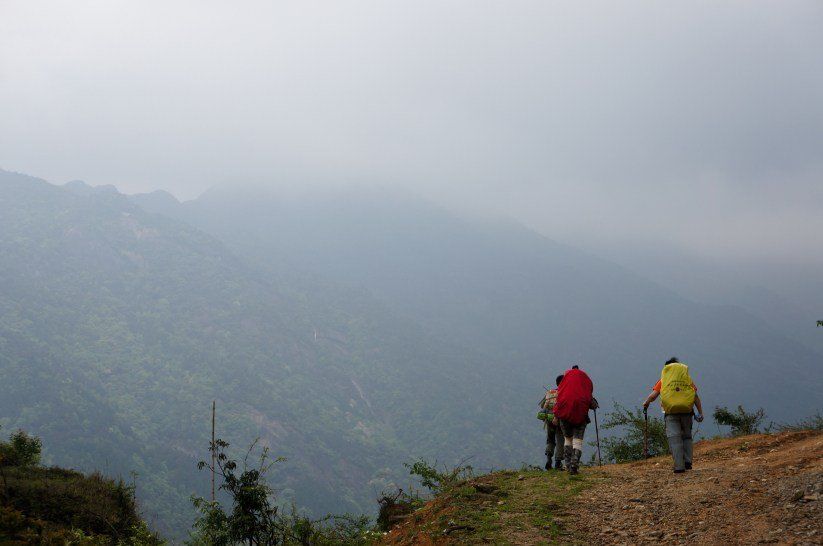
(352,332)
(520,299)
(118,328)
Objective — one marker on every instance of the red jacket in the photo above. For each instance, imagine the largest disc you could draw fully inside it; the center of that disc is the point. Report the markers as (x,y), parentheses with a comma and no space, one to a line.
(574,397)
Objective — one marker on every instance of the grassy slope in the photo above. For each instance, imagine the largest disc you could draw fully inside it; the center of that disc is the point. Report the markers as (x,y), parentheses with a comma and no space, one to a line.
(53,505)
(505,507)
(746,490)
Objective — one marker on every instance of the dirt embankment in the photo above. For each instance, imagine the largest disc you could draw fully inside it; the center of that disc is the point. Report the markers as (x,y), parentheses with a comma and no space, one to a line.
(752,490)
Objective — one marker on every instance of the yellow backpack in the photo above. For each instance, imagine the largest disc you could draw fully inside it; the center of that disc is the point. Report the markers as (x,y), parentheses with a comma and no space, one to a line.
(676,390)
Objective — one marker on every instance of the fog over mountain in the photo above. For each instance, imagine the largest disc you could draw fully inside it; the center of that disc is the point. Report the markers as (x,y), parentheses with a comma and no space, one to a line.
(374,231)
(351,331)
(637,124)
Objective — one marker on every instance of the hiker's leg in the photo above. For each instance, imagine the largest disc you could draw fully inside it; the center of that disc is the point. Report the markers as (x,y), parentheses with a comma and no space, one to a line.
(577,445)
(558,452)
(551,438)
(674,434)
(567,443)
(686,426)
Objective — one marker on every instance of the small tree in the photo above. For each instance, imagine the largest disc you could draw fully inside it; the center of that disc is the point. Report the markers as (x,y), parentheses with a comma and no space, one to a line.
(740,421)
(21,450)
(435,480)
(629,446)
(253,516)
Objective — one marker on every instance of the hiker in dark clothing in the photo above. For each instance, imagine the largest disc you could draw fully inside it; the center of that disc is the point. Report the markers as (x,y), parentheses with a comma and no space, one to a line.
(574,400)
(554,436)
(678,398)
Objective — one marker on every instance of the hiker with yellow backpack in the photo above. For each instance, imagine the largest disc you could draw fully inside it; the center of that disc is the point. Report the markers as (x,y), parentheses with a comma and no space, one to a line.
(678,396)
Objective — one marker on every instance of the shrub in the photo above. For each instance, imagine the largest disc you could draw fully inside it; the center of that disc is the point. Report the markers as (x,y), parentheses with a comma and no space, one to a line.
(740,421)
(21,450)
(394,507)
(254,516)
(815,422)
(629,446)
(435,480)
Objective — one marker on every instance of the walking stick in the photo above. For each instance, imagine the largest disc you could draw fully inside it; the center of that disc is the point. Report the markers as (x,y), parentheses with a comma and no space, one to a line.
(597,435)
(646,433)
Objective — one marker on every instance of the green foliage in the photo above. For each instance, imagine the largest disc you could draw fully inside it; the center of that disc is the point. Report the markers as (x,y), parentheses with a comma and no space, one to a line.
(435,480)
(59,506)
(815,422)
(740,421)
(21,450)
(497,508)
(122,323)
(125,323)
(394,507)
(631,424)
(331,530)
(254,516)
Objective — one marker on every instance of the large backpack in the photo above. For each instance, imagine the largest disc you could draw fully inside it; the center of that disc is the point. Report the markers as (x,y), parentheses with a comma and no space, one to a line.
(676,390)
(547,413)
(574,397)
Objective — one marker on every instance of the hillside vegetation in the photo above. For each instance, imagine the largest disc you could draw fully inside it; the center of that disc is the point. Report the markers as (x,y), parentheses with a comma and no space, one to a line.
(350,334)
(744,490)
(40,505)
(118,328)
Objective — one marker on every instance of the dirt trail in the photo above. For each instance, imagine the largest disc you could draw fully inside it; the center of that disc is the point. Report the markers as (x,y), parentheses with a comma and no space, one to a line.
(750,490)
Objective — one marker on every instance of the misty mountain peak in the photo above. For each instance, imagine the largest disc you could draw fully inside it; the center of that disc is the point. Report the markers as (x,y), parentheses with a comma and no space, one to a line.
(79,187)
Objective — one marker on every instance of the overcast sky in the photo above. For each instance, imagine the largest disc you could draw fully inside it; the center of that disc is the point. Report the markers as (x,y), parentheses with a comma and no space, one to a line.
(693,124)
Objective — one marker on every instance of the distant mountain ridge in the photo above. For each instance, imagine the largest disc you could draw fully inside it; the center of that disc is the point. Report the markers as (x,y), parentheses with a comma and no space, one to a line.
(118,327)
(516,296)
(351,331)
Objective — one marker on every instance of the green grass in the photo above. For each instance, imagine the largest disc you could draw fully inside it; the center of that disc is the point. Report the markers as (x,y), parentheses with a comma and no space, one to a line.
(54,505)
(507,507)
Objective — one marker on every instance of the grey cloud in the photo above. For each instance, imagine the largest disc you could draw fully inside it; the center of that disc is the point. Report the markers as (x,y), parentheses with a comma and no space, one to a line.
(590,123)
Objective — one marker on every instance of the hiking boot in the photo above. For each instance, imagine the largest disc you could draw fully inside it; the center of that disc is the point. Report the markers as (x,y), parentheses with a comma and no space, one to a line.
(558,464)
(567,453)
(676,471)
(573,470)
(548,465)
(688,466)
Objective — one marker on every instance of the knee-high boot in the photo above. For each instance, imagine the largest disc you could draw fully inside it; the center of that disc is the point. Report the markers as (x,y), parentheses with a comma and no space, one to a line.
(576,455)
(567,454)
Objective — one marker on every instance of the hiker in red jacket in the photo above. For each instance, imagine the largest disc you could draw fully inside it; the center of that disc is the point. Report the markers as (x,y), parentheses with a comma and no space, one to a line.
(574,400)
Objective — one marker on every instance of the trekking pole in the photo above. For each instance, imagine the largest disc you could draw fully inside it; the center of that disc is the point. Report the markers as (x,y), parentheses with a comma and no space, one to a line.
(544,397)
(597,435)
(646,433)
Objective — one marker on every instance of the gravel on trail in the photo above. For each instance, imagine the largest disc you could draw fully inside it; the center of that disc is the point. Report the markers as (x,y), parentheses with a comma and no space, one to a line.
(762,489)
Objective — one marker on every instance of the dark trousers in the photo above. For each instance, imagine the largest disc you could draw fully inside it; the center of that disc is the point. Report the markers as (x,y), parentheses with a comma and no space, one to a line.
(554,442)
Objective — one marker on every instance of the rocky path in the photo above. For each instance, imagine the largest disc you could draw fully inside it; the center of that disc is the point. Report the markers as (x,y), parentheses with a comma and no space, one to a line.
(751,490)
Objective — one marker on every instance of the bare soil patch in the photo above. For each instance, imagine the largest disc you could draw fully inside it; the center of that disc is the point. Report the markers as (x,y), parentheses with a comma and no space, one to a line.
(752,490)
